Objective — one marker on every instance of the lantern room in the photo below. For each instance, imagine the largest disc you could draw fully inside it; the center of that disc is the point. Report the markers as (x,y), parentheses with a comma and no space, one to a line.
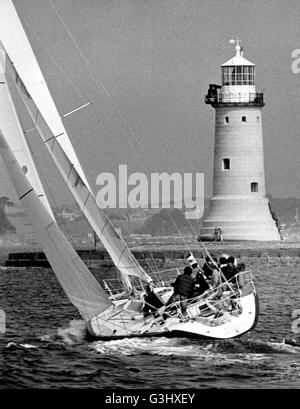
(238,74)
(238,82)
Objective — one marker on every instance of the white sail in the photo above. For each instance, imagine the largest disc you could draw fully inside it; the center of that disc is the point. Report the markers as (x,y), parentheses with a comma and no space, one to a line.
(17,46)
(116,247)
(12,128)
(79,284)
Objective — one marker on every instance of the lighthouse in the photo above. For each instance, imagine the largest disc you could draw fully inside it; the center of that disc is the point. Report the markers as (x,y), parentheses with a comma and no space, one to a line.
(239,206)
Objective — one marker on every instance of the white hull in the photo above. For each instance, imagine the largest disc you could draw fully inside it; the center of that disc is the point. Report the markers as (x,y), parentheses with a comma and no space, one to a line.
(224,327)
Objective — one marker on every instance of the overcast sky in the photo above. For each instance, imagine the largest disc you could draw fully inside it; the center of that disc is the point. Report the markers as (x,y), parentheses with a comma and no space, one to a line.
(146,66)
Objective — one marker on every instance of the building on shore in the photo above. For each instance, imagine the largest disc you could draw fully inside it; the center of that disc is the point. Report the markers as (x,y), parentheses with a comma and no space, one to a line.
(239,209)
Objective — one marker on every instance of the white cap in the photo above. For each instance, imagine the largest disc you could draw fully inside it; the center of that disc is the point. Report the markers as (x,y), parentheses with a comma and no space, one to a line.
(191,259)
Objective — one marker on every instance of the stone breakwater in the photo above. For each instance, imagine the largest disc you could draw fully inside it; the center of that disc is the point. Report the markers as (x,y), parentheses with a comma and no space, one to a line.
(241,249)
(162,254)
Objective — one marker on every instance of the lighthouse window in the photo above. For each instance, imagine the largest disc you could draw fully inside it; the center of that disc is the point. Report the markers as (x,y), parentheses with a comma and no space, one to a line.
(226,119)
(226,164)
(254,187)
(238,75)
(251,75)
(233,76)
(244,119)
(245,75)
(257,118)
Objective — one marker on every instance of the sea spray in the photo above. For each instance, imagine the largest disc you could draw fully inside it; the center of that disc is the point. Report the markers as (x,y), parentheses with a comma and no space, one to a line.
(74,334)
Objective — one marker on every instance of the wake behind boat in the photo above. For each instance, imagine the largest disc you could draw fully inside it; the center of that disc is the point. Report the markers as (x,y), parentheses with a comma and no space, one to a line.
(223,311)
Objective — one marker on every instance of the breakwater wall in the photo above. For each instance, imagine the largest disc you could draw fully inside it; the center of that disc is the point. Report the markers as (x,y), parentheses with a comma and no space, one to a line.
(161,254)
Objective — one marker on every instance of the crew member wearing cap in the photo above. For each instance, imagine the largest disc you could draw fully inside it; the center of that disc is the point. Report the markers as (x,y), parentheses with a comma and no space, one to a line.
(201,279)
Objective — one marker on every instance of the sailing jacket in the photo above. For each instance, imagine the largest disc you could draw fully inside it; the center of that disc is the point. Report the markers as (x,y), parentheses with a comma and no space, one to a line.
(184,285)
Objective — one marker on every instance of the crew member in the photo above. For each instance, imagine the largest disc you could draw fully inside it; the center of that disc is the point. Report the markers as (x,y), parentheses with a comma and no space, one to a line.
(183,289)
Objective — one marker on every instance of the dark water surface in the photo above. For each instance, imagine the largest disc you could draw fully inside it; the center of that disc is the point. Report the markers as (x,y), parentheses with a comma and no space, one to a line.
(44,345)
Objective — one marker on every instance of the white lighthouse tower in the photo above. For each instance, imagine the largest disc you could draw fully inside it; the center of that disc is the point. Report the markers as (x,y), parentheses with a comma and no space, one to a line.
(239,206)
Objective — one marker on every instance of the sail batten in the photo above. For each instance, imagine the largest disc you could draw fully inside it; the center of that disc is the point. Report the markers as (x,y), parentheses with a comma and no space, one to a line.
(80,286)
(100,223)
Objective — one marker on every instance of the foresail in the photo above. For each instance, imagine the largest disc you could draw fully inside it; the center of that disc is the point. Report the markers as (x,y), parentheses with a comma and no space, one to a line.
(79,284)
(116,247)
(17,46)
(11,127)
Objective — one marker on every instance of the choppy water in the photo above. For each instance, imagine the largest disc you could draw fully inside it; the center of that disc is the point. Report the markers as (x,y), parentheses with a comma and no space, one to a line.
(44,345)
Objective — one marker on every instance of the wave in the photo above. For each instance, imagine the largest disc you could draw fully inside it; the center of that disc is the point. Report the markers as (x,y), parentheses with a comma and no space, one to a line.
(291,347)
(234,349)
(181,347)
(16,345)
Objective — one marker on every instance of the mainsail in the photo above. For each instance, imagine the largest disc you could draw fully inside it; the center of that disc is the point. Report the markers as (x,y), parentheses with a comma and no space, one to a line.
(15,137)
(17,46)
(116,247)
(79,284)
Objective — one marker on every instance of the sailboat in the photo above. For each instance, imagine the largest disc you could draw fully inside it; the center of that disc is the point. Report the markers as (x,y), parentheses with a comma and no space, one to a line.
(209,315)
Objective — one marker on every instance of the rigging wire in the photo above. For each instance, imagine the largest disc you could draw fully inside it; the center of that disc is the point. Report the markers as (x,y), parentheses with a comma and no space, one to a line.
(120,116)
(100,87)
(132,258)
(49,179)
(94,78)
(66,78)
